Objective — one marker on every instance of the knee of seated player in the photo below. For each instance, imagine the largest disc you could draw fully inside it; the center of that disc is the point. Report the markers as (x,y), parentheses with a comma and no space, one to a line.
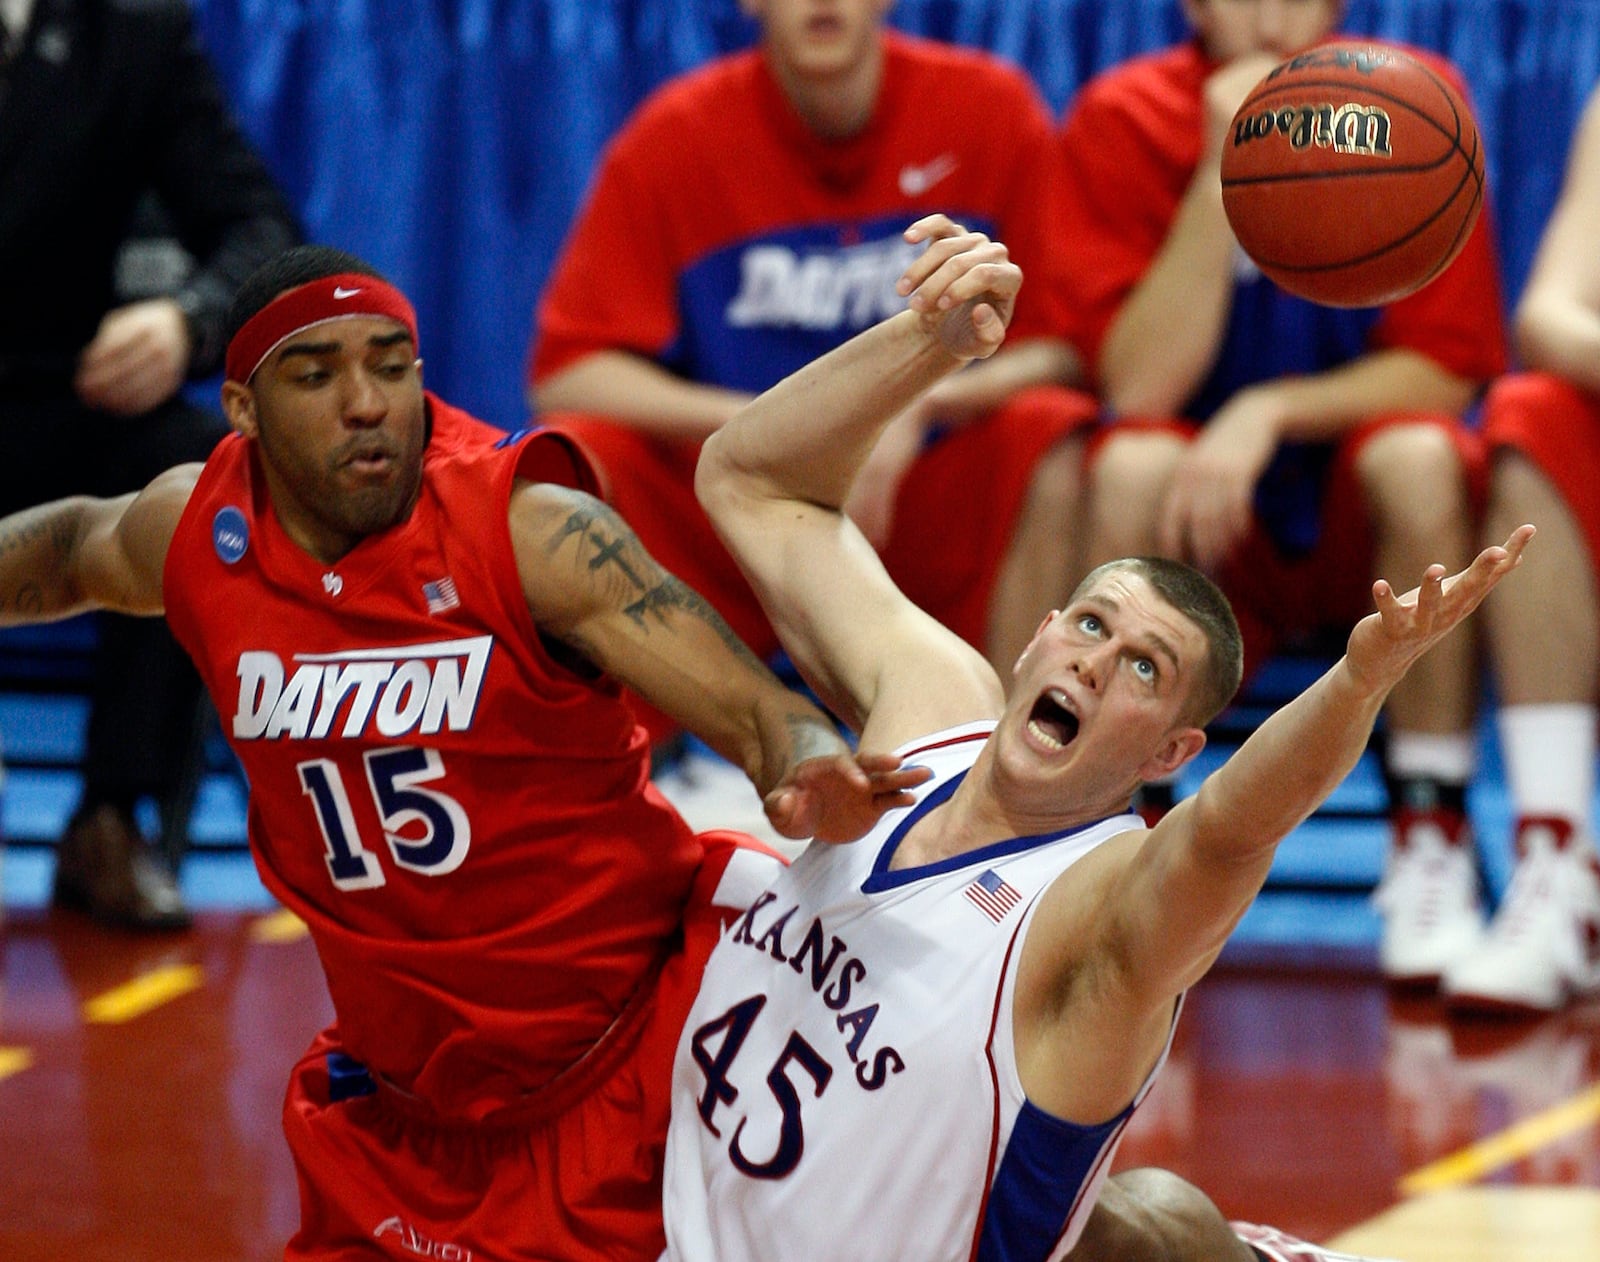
(1401,459)
(1128,474)
(1055,487)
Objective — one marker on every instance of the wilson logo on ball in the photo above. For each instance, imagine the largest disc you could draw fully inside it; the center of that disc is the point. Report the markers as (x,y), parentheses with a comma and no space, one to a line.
(1352,174)
(1348,128)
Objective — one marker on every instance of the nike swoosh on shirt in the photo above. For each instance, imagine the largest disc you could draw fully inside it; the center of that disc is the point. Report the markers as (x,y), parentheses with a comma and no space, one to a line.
(916,180)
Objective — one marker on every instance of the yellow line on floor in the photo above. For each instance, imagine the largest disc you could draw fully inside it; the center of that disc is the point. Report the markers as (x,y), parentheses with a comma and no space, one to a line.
(13,1060)
(1527,1136)
(135,998)
(281,926)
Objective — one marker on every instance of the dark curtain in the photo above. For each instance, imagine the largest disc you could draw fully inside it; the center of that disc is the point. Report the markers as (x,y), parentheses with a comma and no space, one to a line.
(449,141)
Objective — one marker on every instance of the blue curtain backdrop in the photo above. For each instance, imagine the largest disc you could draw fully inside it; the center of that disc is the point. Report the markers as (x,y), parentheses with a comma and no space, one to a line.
(450,141)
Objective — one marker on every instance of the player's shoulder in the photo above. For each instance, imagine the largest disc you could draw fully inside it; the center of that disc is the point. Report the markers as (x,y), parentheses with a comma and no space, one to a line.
(957,67)
(682,107)
(1166,77)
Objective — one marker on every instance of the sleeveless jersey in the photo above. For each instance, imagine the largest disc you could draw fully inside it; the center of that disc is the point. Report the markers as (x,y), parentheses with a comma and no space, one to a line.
(846,1085)
(466,826)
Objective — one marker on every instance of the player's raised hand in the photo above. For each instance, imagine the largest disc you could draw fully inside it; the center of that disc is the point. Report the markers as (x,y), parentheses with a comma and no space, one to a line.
(964,286)
(1385,644)
(839,797)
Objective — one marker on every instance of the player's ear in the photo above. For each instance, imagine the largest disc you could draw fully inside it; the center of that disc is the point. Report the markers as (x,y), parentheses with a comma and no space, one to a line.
(1180,745)
(1038,631)
(239,405)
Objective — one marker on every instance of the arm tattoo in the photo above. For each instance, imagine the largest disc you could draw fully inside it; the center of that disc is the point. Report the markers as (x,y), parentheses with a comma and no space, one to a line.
(611,553)
(26,529)
(41,540)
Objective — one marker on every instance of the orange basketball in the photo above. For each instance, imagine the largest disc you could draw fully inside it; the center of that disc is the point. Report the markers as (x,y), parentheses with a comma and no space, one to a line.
(1353,174)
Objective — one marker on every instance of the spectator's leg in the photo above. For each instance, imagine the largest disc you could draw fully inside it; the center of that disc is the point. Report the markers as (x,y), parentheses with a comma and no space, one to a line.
(1544,633)
(144,703)
(1419,505)
(1127,477)
(1043,562)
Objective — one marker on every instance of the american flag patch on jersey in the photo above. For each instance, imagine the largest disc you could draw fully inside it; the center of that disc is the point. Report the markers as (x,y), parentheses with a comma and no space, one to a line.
(441,596)
(992,896)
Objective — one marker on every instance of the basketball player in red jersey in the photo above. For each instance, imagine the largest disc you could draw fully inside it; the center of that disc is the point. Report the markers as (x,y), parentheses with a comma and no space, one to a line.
(1278,444)
(415,636)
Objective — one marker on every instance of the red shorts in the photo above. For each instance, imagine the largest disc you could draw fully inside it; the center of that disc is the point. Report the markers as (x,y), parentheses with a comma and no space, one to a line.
(575,1174)
(953,518)
(1278,598)
(1556,426)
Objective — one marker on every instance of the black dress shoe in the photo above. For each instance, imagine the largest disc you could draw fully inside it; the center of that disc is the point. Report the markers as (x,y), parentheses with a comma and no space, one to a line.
(105,868)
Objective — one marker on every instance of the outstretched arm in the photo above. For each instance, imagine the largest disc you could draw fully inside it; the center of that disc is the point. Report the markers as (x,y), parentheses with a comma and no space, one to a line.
(591,585)
(77,554)
(1140,919)
(1212,856)
(775,478)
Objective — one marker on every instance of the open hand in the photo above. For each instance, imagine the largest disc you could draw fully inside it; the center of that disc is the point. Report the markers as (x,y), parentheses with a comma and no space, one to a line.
(1385,644)
(839,797)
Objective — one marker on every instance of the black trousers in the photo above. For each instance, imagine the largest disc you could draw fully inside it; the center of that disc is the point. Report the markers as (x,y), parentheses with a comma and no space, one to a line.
(145,695)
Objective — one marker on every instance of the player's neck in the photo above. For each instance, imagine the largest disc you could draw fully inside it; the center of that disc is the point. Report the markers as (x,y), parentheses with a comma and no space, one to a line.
(961,824)
(835,107)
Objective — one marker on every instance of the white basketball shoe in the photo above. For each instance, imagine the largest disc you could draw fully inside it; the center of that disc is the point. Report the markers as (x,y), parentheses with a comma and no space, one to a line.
(1432,915)
(1543,946)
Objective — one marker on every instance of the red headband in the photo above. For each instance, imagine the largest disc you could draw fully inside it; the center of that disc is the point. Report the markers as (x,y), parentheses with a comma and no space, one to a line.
(339,297)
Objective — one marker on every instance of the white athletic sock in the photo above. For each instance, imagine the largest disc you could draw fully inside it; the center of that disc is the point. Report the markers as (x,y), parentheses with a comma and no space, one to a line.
(1450,758)
(1549,752)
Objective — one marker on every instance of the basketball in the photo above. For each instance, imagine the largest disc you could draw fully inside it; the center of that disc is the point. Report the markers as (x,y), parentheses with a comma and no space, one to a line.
(1353,174)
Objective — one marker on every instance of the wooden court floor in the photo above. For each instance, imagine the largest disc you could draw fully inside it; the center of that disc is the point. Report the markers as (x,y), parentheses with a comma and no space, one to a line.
(140,1083)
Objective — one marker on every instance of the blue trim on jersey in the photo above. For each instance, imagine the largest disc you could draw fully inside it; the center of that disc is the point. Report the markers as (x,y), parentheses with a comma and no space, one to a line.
(881,878)
(1046,1163)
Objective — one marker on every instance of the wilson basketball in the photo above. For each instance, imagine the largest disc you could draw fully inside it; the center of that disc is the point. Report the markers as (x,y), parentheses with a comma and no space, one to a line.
(1353,174)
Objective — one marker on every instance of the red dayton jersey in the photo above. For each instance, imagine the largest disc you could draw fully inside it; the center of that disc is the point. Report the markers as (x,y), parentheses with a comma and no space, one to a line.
(466,826)
(1131,143)
(725,239)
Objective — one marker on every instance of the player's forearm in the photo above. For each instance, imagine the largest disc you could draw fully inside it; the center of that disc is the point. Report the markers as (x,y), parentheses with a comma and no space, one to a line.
(38,549)
(1165,340)
(808,436)
(986,384)
(1557,334)
(1321,406)
(1288,766)
(632,389)
(789,731)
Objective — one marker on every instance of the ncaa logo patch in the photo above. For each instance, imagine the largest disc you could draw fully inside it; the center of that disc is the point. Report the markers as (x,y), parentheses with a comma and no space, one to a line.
(230,534)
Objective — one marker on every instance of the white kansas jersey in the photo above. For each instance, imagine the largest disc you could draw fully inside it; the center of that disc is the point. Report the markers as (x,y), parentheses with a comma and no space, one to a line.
(846,1085)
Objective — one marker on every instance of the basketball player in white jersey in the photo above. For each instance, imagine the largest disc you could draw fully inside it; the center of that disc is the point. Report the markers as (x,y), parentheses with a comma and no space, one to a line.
(926,1045)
